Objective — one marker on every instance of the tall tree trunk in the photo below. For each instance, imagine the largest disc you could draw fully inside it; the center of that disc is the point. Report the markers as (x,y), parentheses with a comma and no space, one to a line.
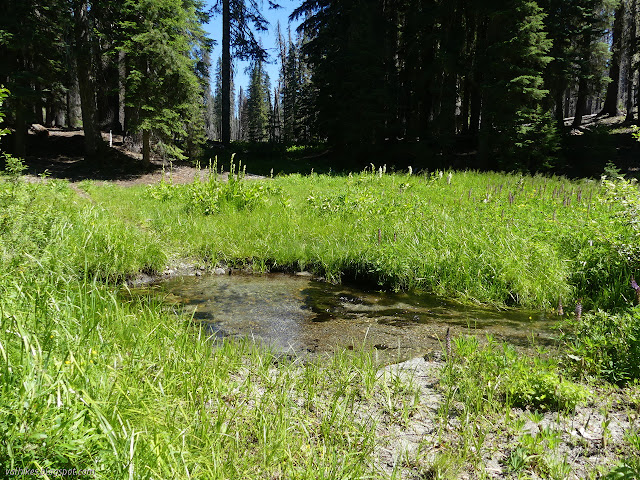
(583,84)
(71,101)
(122,77)
(226,73)
(581,102)
(20,135)
(476,94)
(567,103)
(464,107)
(611,101)
(559,103)
(146,148)
(470,47)
(38,116)
(50,118)
(631,50)
(86,80)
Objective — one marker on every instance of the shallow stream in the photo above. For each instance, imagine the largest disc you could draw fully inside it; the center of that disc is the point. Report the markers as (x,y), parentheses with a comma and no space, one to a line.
(302,316)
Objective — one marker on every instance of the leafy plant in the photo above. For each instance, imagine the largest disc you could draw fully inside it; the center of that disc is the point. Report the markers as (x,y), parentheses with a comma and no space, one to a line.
(628,470)
(492,375)
(604,345)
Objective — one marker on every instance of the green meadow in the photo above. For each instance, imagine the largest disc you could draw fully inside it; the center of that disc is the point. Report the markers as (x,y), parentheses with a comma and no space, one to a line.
(504,240)
(91,378)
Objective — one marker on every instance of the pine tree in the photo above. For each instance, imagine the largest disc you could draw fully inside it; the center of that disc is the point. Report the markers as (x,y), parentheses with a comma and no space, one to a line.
(243,126)
(346,51)
(611,101)
(33,44)
(632,48)
(86,71)
(217,99)
(163,87)
(516,55)
(258,104)
(290,93)
(239,41)
(209,101)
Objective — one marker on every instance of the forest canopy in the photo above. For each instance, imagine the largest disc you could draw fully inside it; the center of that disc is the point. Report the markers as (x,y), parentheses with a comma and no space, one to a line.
(500,78)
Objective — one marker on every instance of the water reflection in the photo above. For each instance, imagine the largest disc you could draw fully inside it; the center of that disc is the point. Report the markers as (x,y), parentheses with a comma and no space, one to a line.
(307,317)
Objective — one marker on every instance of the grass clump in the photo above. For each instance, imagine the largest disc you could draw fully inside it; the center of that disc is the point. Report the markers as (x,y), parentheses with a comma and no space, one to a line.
(604,345)
(490,377)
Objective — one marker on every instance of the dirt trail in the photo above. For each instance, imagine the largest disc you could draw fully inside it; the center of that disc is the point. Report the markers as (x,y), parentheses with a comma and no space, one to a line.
(59,155)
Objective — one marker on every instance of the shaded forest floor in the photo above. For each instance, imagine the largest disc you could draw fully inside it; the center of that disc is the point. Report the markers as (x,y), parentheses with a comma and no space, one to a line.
(586,152)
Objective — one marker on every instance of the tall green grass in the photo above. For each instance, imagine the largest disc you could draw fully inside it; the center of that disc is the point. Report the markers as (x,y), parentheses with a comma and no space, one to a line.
(92,380)
(490,238)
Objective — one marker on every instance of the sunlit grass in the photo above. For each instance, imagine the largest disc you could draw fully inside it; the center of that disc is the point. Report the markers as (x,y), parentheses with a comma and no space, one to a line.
(92,379)
(489,238)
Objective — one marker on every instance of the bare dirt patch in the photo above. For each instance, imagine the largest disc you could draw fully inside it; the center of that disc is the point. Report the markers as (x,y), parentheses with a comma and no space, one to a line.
(60,155)
(435,442)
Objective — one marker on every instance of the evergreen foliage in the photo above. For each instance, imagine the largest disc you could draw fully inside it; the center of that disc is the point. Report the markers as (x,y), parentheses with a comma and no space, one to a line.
(258,107)
(163,89)
(433,76)
(514,130)
(32,47)
(86,49)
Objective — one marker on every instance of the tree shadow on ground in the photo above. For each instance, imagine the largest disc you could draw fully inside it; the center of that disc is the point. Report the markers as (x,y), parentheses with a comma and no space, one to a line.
(60,155)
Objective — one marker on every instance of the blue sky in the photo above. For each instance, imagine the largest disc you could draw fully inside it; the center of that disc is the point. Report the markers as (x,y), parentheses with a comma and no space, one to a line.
(268,40)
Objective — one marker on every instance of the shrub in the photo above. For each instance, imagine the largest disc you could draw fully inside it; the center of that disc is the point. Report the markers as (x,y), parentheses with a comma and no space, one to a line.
(491,375)
(604,345)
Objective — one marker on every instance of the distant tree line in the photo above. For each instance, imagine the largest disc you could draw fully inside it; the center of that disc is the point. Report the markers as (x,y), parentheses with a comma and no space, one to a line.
(500,76)
(138,66)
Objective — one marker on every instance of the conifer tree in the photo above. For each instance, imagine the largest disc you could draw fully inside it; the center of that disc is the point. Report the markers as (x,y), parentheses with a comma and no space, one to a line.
(217,99)
(163,88)
(209,101)
(258,104)
(238,41)
(516,55)
(33,41)
(290,93)
(611,101)
(632,48)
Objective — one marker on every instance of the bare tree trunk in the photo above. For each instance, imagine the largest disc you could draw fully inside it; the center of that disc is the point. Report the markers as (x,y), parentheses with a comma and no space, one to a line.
(611,101)
(146,148)
(226,73)
(630,53)
(122,73)
(86,80)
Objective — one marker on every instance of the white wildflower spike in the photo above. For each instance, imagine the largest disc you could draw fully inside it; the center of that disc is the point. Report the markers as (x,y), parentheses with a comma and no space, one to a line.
(449,177)
(380,172)
(410,170)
